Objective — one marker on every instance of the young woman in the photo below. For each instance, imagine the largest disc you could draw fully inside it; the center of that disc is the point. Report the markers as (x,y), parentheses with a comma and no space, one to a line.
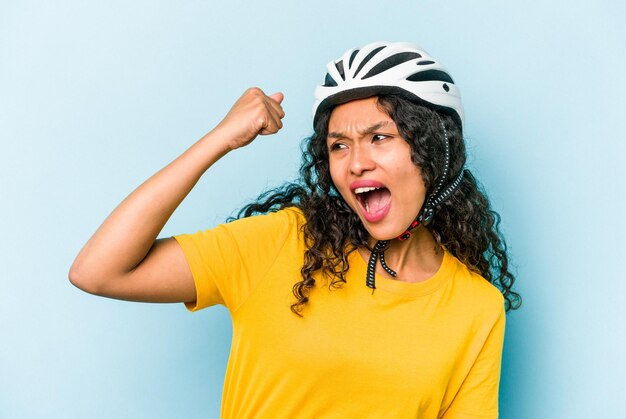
(375,287)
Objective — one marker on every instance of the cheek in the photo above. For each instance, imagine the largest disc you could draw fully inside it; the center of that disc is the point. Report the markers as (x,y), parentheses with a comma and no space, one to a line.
(335,172)
(414,184)
(337,175)
(332,169)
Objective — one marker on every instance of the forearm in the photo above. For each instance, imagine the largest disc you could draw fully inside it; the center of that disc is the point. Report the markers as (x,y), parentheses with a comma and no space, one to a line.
(122,260)
(126,236)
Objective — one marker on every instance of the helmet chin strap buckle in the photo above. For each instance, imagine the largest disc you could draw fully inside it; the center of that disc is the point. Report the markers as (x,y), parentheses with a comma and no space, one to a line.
(424,218)
(407,233)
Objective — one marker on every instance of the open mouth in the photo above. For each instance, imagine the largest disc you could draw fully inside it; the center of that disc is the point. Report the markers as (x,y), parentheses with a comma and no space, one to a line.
(374,200)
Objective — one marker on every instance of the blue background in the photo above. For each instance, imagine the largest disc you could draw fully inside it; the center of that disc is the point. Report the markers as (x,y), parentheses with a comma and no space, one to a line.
(95,97)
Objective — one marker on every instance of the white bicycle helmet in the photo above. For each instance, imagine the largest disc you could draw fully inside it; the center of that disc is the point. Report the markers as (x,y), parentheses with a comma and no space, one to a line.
(389,68)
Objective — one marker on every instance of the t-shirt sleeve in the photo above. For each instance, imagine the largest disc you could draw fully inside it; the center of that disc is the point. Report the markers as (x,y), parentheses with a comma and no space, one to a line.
(228,261)
(478,396)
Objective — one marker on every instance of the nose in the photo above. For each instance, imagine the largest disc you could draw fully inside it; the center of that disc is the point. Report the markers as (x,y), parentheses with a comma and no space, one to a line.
(361,160)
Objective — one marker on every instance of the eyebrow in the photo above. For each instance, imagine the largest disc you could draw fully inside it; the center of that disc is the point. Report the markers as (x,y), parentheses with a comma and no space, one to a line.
(366,131)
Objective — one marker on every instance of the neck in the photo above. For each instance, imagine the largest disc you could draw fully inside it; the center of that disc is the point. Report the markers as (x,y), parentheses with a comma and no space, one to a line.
(414,259)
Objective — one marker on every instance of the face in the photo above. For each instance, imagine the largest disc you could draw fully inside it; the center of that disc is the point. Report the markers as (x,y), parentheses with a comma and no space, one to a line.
(370,164)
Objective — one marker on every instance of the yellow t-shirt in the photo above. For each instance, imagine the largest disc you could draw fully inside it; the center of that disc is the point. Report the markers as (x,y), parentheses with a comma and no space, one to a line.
(409,350)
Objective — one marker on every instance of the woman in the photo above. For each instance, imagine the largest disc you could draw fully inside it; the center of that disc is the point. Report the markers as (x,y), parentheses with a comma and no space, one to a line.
(375,287)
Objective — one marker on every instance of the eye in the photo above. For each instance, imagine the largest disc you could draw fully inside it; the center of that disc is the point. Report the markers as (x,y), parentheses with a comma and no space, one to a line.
(337,146)
(379,137)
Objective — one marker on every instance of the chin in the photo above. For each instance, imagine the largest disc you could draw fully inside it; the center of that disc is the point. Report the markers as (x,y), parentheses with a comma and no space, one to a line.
(383,232)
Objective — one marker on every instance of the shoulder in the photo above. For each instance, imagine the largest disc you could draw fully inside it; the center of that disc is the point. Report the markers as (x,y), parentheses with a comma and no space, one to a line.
(475,289)
(264,231)
(290,218)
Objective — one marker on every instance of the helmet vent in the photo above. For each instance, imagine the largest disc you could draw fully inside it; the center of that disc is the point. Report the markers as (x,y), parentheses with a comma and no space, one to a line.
(426,62)
(431,75)
(329,81)
(391,62)
(339,66)
(354,53)
(367,58)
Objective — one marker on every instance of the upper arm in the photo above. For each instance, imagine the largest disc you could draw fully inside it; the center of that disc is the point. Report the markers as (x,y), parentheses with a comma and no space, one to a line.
(217,266)
(163,276)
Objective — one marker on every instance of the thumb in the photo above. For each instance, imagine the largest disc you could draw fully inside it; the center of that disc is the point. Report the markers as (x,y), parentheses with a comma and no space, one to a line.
(277,97)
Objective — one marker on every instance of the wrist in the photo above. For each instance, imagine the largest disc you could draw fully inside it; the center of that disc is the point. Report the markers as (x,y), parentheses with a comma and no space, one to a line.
(218,140)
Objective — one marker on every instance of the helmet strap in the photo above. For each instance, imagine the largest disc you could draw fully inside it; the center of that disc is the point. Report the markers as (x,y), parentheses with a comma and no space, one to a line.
(378,252)
(425,216)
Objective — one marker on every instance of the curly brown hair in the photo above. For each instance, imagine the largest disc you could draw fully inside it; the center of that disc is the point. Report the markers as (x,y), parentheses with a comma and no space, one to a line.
(464,224)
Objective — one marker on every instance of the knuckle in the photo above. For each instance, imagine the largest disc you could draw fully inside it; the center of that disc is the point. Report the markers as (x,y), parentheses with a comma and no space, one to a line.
(254,91)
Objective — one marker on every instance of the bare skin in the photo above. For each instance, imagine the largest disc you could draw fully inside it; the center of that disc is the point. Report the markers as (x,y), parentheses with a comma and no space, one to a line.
(124,259)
